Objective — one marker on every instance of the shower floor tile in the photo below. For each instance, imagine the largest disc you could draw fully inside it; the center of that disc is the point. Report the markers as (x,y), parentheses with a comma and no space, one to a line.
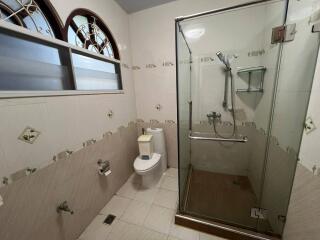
(217,196)
(141,214)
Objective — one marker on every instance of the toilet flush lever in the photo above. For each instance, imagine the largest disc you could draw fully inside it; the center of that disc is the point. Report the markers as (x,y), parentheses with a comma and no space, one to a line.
(64,207)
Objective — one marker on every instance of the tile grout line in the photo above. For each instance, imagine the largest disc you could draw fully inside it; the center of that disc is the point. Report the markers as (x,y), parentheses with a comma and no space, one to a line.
(142,227)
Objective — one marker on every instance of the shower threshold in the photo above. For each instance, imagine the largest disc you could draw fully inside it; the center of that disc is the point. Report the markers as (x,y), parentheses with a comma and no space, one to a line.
(220,229)
(220,204)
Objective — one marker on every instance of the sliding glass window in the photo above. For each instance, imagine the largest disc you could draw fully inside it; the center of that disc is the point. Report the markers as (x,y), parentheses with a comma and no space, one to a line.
(28,63)
(95,74)
(32,65)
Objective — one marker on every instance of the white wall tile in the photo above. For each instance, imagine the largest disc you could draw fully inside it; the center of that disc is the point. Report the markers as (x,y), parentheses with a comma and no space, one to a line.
(152,41)
(66,122)
(309,147)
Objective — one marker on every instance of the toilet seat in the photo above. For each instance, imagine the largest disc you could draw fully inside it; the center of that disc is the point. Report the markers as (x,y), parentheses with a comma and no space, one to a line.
(141,165)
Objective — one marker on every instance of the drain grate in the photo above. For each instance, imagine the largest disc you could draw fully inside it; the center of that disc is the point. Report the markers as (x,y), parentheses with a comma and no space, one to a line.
(109,219)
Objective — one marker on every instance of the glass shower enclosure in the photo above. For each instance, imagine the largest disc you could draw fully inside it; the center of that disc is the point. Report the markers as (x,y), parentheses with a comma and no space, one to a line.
(244,77)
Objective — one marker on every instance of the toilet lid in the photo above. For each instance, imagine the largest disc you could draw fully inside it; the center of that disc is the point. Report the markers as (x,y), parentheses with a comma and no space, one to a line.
(144,165)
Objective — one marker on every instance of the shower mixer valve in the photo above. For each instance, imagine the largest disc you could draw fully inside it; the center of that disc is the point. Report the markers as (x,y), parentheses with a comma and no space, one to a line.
(213,116)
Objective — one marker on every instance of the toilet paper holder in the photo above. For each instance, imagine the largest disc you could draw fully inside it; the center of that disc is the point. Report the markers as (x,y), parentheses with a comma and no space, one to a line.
(104,167)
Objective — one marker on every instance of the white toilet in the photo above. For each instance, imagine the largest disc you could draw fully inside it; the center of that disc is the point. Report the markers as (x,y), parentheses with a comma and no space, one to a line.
(152,161)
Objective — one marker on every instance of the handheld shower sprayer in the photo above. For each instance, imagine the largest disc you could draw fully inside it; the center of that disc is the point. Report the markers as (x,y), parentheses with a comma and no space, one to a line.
(223,59)
(226,60)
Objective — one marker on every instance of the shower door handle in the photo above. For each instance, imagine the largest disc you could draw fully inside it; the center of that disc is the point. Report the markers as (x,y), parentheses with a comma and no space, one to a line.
(239,140)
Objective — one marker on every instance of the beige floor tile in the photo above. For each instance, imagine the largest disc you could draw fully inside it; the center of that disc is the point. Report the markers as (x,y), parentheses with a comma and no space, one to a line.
(134,178)
(183,233)
(160,180)
(97,230)
(146,194)
(136,212)
(173,238)
(172,172)
(147,234)
(166,198)
(159,219)
(124,231)
(116,206)
(128,190)
(205,236)
(170,183)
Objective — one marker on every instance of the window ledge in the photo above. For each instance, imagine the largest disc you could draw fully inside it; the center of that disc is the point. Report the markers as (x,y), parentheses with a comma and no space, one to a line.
(29,94)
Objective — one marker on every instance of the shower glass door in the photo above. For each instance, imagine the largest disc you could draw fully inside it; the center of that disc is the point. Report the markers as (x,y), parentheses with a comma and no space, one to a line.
(225,97)
(184,101)
(242,102)
(292,95)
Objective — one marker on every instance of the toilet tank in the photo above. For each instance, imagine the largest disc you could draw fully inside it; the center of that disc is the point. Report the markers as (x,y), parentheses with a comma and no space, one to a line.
(159,145)
(146,146)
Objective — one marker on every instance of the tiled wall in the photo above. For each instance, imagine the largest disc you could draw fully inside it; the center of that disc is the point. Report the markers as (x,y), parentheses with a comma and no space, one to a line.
(66,122)
(226,158)
(152,33)
(29,210)
(251,48)
(249,160)
(304,210)
(159,46)
(309,153)
(279,174)
(303,221)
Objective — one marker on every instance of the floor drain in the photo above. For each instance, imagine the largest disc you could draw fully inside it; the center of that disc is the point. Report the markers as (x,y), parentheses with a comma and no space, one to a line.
(109,219)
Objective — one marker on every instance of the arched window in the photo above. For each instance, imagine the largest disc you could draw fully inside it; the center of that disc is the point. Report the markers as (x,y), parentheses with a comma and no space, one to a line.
(85,29)
(38,16)
(59,66)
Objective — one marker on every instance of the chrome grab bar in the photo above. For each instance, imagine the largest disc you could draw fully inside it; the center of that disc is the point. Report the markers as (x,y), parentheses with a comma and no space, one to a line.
(244,139)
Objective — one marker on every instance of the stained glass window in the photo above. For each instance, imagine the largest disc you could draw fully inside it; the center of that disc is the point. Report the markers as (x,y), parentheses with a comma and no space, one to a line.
(28,14)
(87,31)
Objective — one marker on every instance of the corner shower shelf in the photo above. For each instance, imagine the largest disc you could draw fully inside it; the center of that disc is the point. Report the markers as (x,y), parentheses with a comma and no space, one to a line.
(249,71)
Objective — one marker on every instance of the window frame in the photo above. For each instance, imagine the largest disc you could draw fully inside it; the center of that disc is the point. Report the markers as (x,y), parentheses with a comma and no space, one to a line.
(104,28)
(27,34)
(50,15)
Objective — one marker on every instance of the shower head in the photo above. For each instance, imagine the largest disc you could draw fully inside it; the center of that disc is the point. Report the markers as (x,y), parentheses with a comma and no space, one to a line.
(223,59)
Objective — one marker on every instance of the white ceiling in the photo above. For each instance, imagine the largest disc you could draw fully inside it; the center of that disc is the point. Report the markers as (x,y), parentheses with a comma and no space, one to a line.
(131,6)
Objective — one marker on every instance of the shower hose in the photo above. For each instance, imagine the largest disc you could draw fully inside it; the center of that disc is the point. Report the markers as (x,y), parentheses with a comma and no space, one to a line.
(232,91)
